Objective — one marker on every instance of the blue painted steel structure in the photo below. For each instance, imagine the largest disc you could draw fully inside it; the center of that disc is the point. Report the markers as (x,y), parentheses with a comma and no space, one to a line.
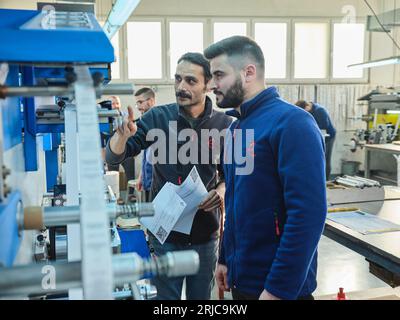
(30,150)
(58,45)
(11,113)
(51,141)
(39,55)
(9,236)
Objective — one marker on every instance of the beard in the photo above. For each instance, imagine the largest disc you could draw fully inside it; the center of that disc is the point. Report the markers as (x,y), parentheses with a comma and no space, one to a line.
(234,97)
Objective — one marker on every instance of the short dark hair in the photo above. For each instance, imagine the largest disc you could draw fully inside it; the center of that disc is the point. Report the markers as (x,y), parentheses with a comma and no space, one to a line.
(148,92)
(237,46)
(198,59)
(301,103)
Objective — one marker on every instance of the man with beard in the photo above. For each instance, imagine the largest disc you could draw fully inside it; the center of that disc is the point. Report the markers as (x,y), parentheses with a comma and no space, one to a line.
(274,215)
(192,112)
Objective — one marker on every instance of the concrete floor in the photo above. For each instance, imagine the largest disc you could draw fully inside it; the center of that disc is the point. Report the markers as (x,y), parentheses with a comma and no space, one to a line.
(338,267)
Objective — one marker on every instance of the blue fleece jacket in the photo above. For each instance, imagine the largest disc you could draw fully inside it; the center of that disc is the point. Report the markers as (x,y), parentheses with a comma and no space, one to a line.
(274,216)
(147,171)
(323,120)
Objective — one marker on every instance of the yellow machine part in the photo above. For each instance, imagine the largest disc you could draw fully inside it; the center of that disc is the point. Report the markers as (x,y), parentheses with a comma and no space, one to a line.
(383,119)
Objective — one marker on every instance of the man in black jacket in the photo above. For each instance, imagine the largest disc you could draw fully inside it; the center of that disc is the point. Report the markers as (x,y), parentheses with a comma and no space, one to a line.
(192,113)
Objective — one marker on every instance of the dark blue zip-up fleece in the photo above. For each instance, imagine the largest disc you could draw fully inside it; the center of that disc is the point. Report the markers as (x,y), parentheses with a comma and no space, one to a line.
(147,171)
(275,216)
(323,120)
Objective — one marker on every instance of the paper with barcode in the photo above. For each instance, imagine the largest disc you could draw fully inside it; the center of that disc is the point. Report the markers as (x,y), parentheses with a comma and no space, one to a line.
(193,192)
(168,207)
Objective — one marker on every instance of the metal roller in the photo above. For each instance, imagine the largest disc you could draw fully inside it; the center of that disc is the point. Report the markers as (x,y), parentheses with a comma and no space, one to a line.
(348,182)
(361,184)
(127,268)
(38,218)
(37,91)
(368,182)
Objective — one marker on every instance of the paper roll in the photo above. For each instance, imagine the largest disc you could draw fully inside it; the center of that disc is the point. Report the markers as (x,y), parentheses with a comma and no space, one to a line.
(111,178)
(33,218)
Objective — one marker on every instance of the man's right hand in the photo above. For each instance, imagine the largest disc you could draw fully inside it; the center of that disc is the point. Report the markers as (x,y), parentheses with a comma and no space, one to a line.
(126,129)
(221,275)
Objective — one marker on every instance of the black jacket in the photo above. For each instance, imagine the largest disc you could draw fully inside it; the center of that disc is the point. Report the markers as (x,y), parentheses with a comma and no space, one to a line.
(206,224)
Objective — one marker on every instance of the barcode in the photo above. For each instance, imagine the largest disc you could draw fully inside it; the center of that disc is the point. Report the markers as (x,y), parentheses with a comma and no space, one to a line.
(161,234)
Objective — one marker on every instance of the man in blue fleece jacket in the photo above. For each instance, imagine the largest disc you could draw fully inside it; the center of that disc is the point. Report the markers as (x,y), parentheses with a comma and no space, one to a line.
(276,213)
(324,122)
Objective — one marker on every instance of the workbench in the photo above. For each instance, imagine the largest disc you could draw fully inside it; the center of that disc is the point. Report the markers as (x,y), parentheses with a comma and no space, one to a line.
(382,250)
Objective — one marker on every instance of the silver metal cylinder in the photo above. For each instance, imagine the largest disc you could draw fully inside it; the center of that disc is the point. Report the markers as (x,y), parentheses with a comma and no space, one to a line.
(39,278)
(108,113)
(138,209)
(180,263)
(127,268)
(368,182)
(37,91)
(61,246)
(347,182)
(50,91)
(146,291)
(117,89)
(61,216)
(361,184)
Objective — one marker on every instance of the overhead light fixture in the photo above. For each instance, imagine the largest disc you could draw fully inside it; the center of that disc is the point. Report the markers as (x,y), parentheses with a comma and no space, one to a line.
(119,14)
(376,63)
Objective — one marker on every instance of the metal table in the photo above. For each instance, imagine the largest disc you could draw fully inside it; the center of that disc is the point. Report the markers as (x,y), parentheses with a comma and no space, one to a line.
(381,249)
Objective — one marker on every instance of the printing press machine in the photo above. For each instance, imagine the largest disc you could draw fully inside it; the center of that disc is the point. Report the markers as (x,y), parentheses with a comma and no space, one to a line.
(50,78)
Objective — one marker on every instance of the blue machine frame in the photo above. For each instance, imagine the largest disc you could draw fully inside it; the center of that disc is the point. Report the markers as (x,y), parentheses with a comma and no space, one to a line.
(9,235)
(30,76)
(34,54)
(27,38)
(33,43)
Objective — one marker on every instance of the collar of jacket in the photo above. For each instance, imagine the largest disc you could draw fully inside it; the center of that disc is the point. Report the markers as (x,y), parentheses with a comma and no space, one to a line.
(208,109)
(250,105)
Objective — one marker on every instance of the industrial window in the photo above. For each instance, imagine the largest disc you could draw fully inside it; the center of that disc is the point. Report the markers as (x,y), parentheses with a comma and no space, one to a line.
(144,50)
(348,48)
(272,38)
(184,37)
(296,50)
(115,73)
(224,30)
(311,54)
